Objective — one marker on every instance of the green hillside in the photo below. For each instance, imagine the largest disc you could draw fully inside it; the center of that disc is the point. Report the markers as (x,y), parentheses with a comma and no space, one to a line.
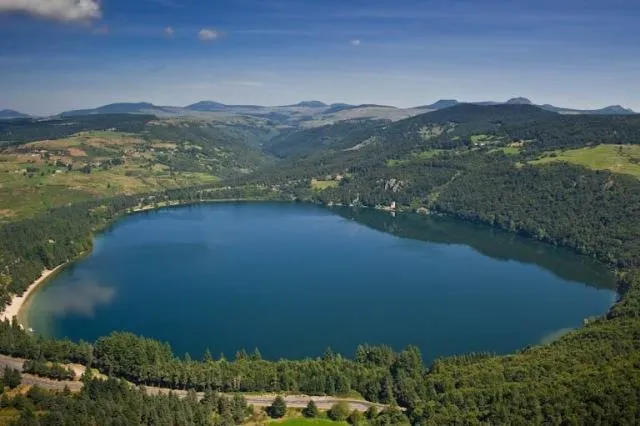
(552,178)
(623,159)
(48,164)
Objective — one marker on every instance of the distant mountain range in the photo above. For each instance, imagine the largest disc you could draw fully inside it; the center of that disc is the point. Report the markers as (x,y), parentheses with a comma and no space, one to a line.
(7,114)
(311,113)
(212,106)
(118,108)
(610,110)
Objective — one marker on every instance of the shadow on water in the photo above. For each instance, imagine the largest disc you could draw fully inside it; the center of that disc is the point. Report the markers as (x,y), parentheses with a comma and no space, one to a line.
(76,299)
(495,243)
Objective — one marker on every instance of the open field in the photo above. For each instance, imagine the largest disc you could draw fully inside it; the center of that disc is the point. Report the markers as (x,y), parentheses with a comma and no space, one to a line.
(616,158)
(484,139)
(509,150)
(45,174)
(320,185)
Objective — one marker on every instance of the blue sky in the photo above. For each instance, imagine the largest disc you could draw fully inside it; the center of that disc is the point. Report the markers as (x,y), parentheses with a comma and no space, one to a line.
(63,54)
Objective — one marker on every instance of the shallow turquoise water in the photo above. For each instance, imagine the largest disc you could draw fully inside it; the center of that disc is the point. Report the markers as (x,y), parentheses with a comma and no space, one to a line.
(294,279)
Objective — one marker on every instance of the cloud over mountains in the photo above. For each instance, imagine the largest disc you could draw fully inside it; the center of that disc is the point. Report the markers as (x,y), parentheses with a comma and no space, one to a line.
(61,10)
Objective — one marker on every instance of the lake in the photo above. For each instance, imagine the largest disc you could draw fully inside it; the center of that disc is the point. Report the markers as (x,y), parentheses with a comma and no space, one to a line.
(294,279)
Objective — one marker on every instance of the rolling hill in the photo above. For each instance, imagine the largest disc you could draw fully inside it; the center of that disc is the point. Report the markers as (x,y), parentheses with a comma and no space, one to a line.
(308,114)
(49,163)
(117,108)
(514,166)
(8,114)
(609,110)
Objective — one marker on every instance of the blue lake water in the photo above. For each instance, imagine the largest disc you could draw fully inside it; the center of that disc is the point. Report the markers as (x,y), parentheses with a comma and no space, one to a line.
(293,279)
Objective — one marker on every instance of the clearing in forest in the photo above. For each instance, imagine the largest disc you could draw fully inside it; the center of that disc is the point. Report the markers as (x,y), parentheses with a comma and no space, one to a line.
(616,158)
(320,185)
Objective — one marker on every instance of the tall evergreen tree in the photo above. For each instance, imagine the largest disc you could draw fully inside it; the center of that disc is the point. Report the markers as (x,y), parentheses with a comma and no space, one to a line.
(278,408)
(311,410)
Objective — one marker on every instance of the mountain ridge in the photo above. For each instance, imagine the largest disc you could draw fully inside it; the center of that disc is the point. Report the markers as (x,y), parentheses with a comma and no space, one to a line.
(608,110)
(8,114)
(315,110)
(115,108)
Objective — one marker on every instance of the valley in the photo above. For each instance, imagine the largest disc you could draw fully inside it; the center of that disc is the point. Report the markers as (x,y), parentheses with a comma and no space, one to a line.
(305,213)
(564,180)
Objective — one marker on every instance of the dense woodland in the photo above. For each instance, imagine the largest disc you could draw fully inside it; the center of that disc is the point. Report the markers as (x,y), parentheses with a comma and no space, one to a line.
(336,136)
(594,212)
(112,402)
(232,147)
(452,128)
(470,162)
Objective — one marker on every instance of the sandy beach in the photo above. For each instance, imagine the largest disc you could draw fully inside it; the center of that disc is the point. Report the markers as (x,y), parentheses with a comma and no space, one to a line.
(17,302)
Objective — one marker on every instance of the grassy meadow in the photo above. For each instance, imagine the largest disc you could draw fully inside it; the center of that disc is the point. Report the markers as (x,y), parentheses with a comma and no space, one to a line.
(320,185)
(45,174)
(616,158)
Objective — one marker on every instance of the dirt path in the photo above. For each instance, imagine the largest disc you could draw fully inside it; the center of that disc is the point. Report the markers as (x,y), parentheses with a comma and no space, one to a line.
(293,401)
(30,379)
(261,400)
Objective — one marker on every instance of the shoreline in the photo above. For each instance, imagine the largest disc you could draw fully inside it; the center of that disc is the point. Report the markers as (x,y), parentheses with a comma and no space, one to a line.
(15,307)
(20,305)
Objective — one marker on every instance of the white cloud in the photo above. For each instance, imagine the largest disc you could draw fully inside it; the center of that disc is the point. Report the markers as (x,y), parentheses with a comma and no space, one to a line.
(169,32)
(207,34)
(62,10)
(356,42)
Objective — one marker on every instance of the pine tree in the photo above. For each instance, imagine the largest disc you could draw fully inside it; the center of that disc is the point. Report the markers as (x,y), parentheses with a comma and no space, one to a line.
(278,408)
(311,410)
(11,378)
(339,411)
(256,355)
(239,408)
(371,413)
(207,356)
(356,418)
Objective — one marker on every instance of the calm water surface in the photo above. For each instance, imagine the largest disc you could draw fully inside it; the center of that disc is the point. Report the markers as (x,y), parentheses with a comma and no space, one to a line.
(293,280)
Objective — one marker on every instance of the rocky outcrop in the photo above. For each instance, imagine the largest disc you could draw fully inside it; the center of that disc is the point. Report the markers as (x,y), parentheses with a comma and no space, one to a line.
(394,185)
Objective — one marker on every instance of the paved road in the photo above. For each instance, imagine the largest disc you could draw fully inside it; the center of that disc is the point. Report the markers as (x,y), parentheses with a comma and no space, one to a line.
(265,400)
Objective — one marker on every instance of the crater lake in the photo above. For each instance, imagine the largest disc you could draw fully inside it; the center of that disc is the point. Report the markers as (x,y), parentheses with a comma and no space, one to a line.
(295,279)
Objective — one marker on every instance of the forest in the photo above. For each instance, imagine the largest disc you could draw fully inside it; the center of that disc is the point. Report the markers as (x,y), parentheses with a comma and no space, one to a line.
(112,402)
(471,162)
